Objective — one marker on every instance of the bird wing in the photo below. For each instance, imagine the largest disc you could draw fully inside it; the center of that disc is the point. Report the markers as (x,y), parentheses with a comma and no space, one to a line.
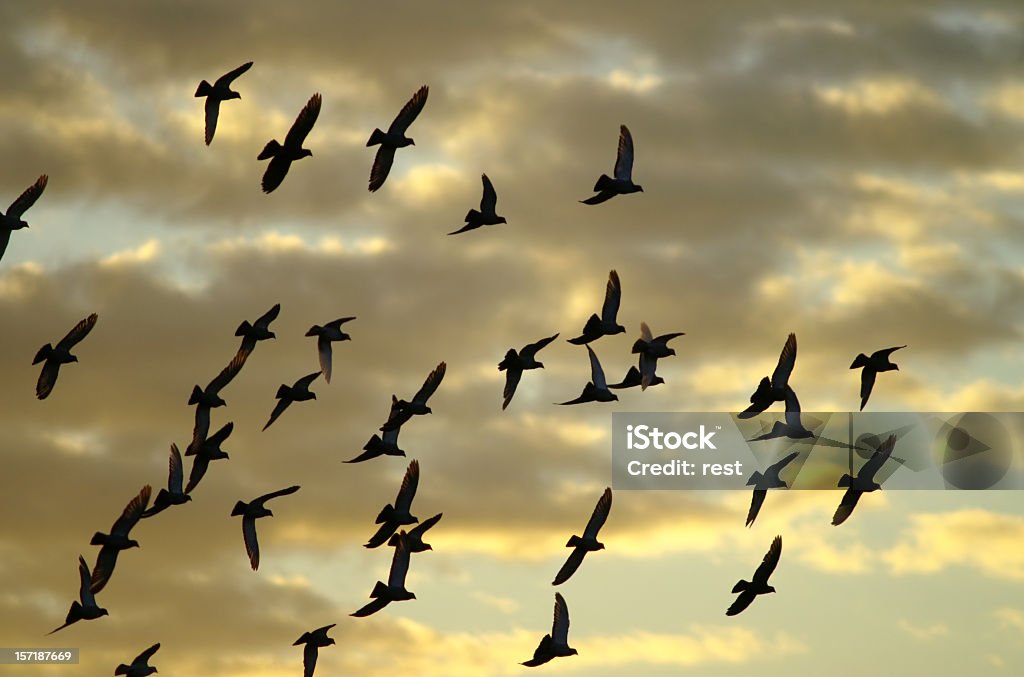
(425,525)
(382,162)
(596,372)
(85,583)
(229,372)
(787,360)
(175,472)
(199,465)
(665,338)
(279,408)
(776,468)
(266,318)
(741,603)
(132,512)
(792,410)
(560,626)
(409,111)
(274,494)
(27,198)
(230,76)
(530,351)
(431,384)
(600,515)
(624,157)
(573,563)
(408,489)
(144,657)
(47,379)
(252,545)
(512,376)
(371,608)
(212,108)
(104,568)
(756,501)
(79,332)
(887,352)
(645,332)
(878,459)
(867,382)
(648,367)
(309,656)
(612,296)
(303,123)
(770,561)
(846,506)
(399,565)
(275,173)
(489,201)
(323,351)
(304,382)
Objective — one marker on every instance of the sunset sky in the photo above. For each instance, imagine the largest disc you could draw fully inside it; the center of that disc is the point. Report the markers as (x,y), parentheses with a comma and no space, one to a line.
(852,173)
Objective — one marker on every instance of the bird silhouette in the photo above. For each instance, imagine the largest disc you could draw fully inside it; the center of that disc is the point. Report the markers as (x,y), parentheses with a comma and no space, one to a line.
(117,540)
(863,482)
(140,667)
(774,389)
(173,494)
(792,428)
(652,349)
(606,325)
(326,335)
(414,537)
(514,364)
(392,517)
(418,406)
(607,187)
(633,379)
(588,542)
(385,444)
(249,513)
(596,389)
(282,156)
(53,357)
(556,644)
(11,220)
(749,590)
(879,361)
(257,331)
(486,216)
(395,590)
(762,483)
(86,609)
(208,450)
(395,138)
(209,398)
(315,640)
(217,92)
(297,392)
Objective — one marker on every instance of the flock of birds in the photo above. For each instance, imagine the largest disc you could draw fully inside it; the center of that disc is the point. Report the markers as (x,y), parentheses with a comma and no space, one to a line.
(205,447)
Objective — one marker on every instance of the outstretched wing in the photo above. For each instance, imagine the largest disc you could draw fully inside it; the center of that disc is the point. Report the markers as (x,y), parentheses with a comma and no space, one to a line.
(612,296)
(323,351)
(572,563)
(787,360)
(399,565)
(600,515)
(878,459)
(431,384)
(230,76)
(867,382)
(408,489)
(792,410)
(252,544)
(596,372)
(27,198)
(303,123)
(409,111)
(266,318)
(776,468)
(382,162)
(489,201)
(229,372)
(144,657)
(47,379)
(560,627)
(512,376)
(770,561)
(79,332)
(846,506)
(274,494)
(624,157)
(425,525)
(212,110)
(756,501)
(175,472)
(309,656)
(85,584)
(530,351)
(132,512)
(307,380)
(741,603)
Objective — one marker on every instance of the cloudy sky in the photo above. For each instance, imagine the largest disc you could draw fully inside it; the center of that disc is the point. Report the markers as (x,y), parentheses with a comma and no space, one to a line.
(851,174)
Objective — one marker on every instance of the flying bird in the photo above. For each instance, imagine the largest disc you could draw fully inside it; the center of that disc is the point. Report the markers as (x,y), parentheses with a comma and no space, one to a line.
(632,379)
(252,511)
(588,542)
(762,483)
(792,428)
(418,406)
(515,364)
(203,453)
(297,392)
(414,537)
(209,398)
(53,357)
(326,335)
(392,517)
(315,640)
(282,156)
(486,216)
(395,590)
(774,390)
(880,360)
(606,325)
(596,389)
(257,331)
(863,482)
(556,644)
(385,444)
(395,138)
(117,540)
(12,221)
(173,494)
(140,667)
(217,92)
(654,347)
(606,187)
(87,609)
(759,586)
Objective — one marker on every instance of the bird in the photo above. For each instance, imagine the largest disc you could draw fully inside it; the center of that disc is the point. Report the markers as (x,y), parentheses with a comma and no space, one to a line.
(209,398)
(759,586)
(774,390)
(792,428)
(252,511)
(395,590)
(596,389)
(880,360)
(11,220)
(414,537)
(86,609)
(762,483)
(53,357)
(117,540)
(314,640)
(140,667)
(219,91)
(654,347)
(392,517)
(486,216)
(326,335)
(607,188)
(863,482)
(282,156)
(385,444)
(606,325)
(556,644)
(418,406)
(588,542)
(208,450)
(632,379)
(297,392)
(173,494)
(514,364)
(257,331)
(395,138)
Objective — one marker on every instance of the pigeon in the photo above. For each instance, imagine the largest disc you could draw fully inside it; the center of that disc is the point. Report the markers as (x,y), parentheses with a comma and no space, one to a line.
(762,483)
(880,360)
(515,364)
(209,398)
(140,667)
(392,517)
(12,221)
(382,445)
(606,325)
(863,482)
(172,495)
(53,357)
(313,640)
(87,610)
(208,451)
(394,591)
(792,428)
(607,188)
(418,406)
(775,389)
(250,512)
(759,586)
(596,390)
(282,156)
(395,138)
(588,542)
(486,216)
(297,392)
(258,331)
(557,643)
(117,540)
(414,538)
(327,334)
(217,92)
(632,379)
(654,347)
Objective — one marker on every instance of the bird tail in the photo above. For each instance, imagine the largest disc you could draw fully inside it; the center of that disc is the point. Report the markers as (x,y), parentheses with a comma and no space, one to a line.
(379,590)
(196,396)
(574,541)
(741,586)
(860,361)
(43,354)
(375,138)
(243,328)
(387,512)
(507,362)
(239,509)
(472,215)
(98,539)
(204,89)
(755,477)
(845,480)
(270,150)
(283,391)
(603,183)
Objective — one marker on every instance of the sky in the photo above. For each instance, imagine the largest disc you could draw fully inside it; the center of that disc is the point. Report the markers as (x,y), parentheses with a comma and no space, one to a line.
(850,173)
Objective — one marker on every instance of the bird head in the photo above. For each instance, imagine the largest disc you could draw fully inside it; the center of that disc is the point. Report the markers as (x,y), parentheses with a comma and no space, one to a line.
(330,640)
(104,612)
(600,545)
(501,219)
(188,498)
(428,410)
(19,224)
(132,543)
(540,365)
(73,358)
(234,95)
(305,152)
(671,351)
(313,394)
(217,401)
(270,334)
(771,588)
(615,397)
(640,189)
(573,652)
